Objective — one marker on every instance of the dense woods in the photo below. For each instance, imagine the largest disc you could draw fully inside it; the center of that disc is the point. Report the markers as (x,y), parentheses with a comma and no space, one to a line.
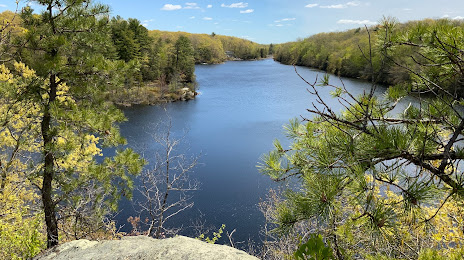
(348,53)
(212,48)
(161,63)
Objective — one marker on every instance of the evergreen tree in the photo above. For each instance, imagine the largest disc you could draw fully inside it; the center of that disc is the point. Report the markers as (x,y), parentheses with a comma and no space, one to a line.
(68,46)
(372,183)
(183,60)
(124,38)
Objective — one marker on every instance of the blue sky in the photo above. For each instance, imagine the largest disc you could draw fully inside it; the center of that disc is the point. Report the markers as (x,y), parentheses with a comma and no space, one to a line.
(272,21)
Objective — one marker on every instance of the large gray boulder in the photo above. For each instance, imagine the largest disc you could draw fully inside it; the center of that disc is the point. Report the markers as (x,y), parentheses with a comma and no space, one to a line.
(142,247)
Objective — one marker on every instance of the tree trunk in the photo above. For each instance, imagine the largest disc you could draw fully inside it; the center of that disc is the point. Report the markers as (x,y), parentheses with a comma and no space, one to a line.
(49,171)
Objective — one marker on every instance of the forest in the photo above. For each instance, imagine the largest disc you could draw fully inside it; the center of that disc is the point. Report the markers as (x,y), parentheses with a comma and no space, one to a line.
(369,185)
(347,53)
(159,64)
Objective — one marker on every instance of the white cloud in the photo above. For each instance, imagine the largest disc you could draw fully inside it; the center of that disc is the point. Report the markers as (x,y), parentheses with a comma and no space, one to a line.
(285,20)
(341,6)
(216,23)
(144,24)
(4,6)
(354,3)
(170,7)
(311,5)
(458,18)
(207,18)
(192,17)
(148,21)
(236,5)
(248,11)
(279,25)
(191,6)
(360,22)
(209,6)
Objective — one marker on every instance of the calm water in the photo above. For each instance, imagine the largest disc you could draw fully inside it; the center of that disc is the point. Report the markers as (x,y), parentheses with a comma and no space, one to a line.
(241,110)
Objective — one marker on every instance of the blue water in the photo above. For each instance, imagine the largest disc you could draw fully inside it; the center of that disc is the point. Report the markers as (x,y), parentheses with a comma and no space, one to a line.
(240,111)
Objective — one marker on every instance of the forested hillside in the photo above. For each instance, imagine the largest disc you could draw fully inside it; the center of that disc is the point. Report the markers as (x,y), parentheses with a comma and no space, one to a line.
(348,53)
(162,63)
(157,65)
(212,48)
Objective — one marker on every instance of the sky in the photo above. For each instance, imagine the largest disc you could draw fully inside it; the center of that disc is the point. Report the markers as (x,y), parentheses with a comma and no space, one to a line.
(271,21)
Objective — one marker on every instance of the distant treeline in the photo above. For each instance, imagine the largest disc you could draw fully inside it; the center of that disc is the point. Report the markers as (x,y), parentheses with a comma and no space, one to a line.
(347,53)
(169,58)
(212,48)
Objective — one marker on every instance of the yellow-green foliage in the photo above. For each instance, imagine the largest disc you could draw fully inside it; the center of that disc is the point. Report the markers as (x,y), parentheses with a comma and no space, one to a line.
(216,236)
(21,233)
(430,254)
(212,48)
(11,23)
(347,53)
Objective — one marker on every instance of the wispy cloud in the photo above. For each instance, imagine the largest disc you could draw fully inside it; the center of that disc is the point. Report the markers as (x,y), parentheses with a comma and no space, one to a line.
(192,17)
(248,11)
(147,22)
(191,6)
(341,6)
(209,6)
(171,7)
(4,6)
(285,20)
(359,22)
(354,3)
(447,16)
(236,5)
(311,5)
(207,18)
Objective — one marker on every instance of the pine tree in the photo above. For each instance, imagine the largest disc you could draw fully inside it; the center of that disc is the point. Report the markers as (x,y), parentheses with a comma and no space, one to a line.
(372,182)
(68,46)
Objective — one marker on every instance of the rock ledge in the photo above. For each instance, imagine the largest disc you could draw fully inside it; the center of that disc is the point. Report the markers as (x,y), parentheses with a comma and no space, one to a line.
(142,247)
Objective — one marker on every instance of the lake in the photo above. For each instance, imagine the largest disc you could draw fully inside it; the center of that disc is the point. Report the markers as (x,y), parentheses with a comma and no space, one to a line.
(242,108)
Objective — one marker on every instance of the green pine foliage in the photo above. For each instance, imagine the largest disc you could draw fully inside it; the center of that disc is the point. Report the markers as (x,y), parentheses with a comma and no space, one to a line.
(375,183)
